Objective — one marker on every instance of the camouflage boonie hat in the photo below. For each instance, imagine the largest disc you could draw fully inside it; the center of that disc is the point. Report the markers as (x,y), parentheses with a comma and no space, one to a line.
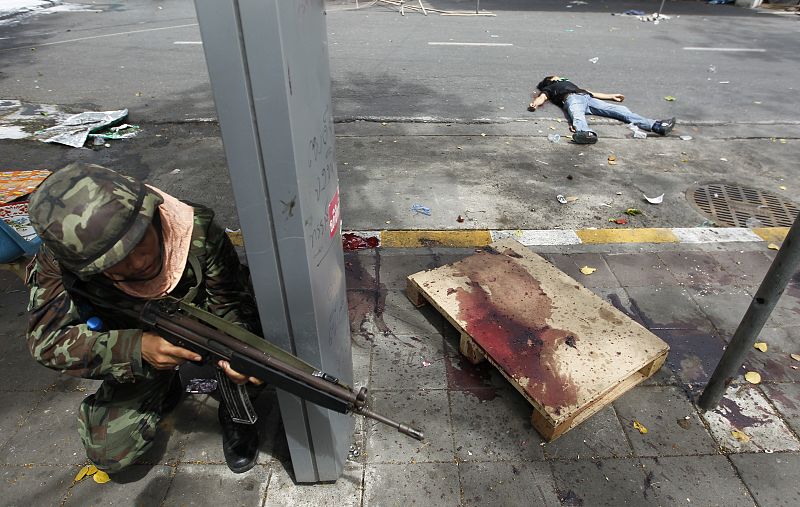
(91,217)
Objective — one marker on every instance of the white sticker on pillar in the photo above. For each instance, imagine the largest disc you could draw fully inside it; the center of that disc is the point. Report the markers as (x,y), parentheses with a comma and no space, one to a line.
(333,213)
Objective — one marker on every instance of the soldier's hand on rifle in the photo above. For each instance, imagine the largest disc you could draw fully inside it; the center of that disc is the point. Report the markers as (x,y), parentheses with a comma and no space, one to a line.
(163,355)
(235,376)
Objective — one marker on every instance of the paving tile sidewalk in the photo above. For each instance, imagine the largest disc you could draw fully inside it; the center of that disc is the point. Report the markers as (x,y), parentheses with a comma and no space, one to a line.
(481,448)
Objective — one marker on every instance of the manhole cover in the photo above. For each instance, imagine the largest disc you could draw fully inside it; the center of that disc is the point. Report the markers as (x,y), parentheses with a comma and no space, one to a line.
(738,206)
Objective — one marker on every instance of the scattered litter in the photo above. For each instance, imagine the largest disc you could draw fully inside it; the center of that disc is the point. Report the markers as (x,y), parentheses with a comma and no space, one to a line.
(460,219)
(586,270)
(483,135)
(740,436)
(712,69)
(619,221)
(554,138)
(637,132)
(655,200)
(669,98)
(757,102)
(619,193)
(594,60)
(612,160)
(74,130)
(560,198)
(15,184)
(419,209)
(201,386)
(633,212)
(686,138)
(762,346)
(459,148)
(782,187)
(124,131)
(426,363)
(724,82)
(723,159)
(796,357)
(753,377)
(175,171)
(639,426)
(773,246)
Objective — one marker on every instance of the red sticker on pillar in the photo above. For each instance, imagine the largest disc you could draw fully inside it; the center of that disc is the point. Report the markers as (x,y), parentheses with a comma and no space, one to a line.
(333,213)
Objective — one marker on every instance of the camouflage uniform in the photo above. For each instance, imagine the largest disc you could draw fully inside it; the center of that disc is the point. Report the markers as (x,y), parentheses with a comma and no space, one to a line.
(118,423)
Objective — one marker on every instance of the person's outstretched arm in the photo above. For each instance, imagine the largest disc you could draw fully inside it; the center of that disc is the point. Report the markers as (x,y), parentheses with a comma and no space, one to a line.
(616,97)
(538,101)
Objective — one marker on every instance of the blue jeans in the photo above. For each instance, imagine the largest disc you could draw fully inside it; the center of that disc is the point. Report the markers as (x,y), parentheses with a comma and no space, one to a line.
(578,105)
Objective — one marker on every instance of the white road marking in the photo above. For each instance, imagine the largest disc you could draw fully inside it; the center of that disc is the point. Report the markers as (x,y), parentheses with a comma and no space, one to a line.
(468,44)
(100,36)
(746,50)
(187,42)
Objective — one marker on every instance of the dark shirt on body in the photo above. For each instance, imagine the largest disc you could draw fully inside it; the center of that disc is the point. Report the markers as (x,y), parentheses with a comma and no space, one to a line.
(557,91)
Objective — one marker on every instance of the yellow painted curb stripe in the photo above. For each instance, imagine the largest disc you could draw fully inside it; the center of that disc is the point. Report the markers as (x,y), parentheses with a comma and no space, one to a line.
(772,234)
(453,239)
(598,236)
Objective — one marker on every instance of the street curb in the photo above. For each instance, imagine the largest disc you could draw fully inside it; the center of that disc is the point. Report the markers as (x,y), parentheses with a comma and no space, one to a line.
(481,237)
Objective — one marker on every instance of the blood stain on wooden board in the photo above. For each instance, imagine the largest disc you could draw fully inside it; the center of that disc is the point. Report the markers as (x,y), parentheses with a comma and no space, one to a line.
(506,311)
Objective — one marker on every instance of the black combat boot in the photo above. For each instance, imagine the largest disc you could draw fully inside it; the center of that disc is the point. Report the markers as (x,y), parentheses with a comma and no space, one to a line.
(239,442)
(664,127)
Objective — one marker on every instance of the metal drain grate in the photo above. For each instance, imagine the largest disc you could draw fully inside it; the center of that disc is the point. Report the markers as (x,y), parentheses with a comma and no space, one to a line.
(738,206)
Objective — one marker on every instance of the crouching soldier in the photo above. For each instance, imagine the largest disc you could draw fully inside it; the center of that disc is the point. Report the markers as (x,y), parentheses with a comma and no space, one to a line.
(108,239)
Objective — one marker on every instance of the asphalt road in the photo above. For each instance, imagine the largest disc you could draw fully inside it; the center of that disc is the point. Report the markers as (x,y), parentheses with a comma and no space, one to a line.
(479,158)
(384,65)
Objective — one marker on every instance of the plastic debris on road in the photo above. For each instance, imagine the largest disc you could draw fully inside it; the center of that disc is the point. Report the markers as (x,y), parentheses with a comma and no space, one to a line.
(655,200)
(560,198)
(419,209)
(74,130)
(618,221)
(686,138)
(637,132)
(124,131)
(554,138)
(594,60)
(669,98)
(612,160)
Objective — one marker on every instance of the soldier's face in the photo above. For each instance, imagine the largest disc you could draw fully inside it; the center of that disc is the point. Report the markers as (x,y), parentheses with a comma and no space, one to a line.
(143,263)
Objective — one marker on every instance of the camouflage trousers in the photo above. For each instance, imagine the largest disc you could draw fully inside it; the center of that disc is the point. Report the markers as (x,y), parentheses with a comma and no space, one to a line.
(118,423)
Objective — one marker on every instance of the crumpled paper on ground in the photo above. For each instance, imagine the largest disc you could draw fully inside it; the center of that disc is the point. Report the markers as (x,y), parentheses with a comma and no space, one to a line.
(76,129)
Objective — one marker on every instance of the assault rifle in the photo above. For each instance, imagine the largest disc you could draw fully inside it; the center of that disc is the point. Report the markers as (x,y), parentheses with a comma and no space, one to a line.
(214,338)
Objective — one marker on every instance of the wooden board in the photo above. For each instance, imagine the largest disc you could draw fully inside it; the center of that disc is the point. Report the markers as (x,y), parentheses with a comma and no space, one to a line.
(566,350)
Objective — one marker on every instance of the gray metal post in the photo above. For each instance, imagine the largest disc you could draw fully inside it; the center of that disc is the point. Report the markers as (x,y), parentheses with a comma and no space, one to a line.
(773,285)
(268,64)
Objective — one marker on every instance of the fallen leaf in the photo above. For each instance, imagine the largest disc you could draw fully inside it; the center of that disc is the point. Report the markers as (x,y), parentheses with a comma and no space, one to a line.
(740,436)
(753,377)
(639,426)
(612,160)
(586,270)
(101,477)
(91,470)
(632,211)
(760,346)
(796,357)
(618,221)
(669,98)
(773,246)
(81,474)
